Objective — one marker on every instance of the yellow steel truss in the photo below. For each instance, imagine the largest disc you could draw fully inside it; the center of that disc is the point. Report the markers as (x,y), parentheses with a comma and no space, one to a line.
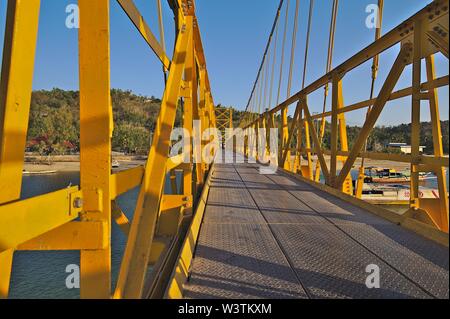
(419,39)
(79,218)
(224,120)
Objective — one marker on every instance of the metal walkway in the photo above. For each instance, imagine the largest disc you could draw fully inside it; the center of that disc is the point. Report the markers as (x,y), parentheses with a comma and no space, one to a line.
(270,236)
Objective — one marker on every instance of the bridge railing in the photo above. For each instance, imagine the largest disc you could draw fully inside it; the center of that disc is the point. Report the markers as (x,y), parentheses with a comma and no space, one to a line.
(80,217)
(419,38)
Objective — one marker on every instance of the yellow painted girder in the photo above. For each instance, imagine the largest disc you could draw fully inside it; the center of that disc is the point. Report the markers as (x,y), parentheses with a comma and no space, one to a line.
(120,218)
(125,181)
(135,16)
(180,273)
(96,127)
(70,236)
(317,144)
(15,93)
(23,220)
(19,49)
(385,92)
(134,264)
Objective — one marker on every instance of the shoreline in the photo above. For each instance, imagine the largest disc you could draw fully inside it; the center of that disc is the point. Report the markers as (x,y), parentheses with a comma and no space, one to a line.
(71,163)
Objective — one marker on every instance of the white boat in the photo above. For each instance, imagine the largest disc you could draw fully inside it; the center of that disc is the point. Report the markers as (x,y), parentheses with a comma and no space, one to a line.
(115,164)
(25,172)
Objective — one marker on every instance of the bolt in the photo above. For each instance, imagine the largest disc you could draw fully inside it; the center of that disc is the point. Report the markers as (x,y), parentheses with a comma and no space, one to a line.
(78,202)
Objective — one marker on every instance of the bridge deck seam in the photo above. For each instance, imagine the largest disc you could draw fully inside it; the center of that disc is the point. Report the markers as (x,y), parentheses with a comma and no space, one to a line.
(288,260)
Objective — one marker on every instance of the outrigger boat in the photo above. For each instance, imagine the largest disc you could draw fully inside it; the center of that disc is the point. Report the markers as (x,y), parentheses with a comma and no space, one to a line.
(391,176)
(394,194)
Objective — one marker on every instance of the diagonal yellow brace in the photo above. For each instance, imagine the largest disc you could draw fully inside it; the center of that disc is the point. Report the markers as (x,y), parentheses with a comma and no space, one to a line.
(134,264)
(135,16)
(319,152)
(383,97)
(120,218)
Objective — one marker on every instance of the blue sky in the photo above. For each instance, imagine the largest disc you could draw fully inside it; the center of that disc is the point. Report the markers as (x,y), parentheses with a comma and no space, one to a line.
(234,35)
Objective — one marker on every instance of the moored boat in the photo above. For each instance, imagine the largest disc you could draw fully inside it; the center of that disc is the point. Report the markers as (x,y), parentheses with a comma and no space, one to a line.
(396,194)
(391,176)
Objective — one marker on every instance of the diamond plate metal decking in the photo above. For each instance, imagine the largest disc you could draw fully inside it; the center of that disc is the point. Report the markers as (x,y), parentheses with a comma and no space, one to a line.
(271,236)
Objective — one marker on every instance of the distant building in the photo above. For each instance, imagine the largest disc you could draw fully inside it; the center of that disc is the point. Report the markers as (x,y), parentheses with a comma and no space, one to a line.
(403,148)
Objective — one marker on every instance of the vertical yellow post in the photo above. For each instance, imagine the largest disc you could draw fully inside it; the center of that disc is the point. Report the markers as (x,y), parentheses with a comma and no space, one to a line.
(308,172)
(262,125)
(285,136)
(15,95)
(257,139)
(298,155)
(95,141)
(199,116)
(437,145)
(339,133)
(334,128)
(347,186)
(415,115)
(190,102)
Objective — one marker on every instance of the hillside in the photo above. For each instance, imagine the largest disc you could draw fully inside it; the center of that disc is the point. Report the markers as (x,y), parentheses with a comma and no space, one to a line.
(54,124)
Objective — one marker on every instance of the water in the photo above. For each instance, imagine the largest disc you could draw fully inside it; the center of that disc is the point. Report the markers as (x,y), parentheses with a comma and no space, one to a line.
(400,209)
(37,274)
(42,274)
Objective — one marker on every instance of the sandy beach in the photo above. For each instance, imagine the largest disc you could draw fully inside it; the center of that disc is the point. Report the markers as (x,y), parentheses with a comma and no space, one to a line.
(71,163)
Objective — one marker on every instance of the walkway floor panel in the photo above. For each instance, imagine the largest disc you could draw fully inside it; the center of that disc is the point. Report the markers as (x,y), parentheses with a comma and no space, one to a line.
(272,236)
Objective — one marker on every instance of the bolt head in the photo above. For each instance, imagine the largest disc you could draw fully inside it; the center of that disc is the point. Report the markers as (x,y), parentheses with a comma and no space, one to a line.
(78,202)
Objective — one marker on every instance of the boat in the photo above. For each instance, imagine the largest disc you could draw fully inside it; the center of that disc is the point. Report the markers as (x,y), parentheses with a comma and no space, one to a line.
(25,172)
(395,194)
(115,164)
(391,176)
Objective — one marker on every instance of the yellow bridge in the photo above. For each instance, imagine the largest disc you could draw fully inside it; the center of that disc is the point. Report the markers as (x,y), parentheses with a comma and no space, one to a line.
(230,231)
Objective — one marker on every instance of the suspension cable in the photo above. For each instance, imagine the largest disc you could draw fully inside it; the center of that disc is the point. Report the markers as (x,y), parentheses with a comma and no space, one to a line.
(273,66)
(266,81)
(308,35)
(375,65)
(161,35)
(329,61)
(261,88)
(294,38)
(328,69)
(265,51)
(282,51)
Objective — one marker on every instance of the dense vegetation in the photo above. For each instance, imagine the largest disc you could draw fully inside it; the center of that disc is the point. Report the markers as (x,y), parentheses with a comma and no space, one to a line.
(54,122)
(54,125)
